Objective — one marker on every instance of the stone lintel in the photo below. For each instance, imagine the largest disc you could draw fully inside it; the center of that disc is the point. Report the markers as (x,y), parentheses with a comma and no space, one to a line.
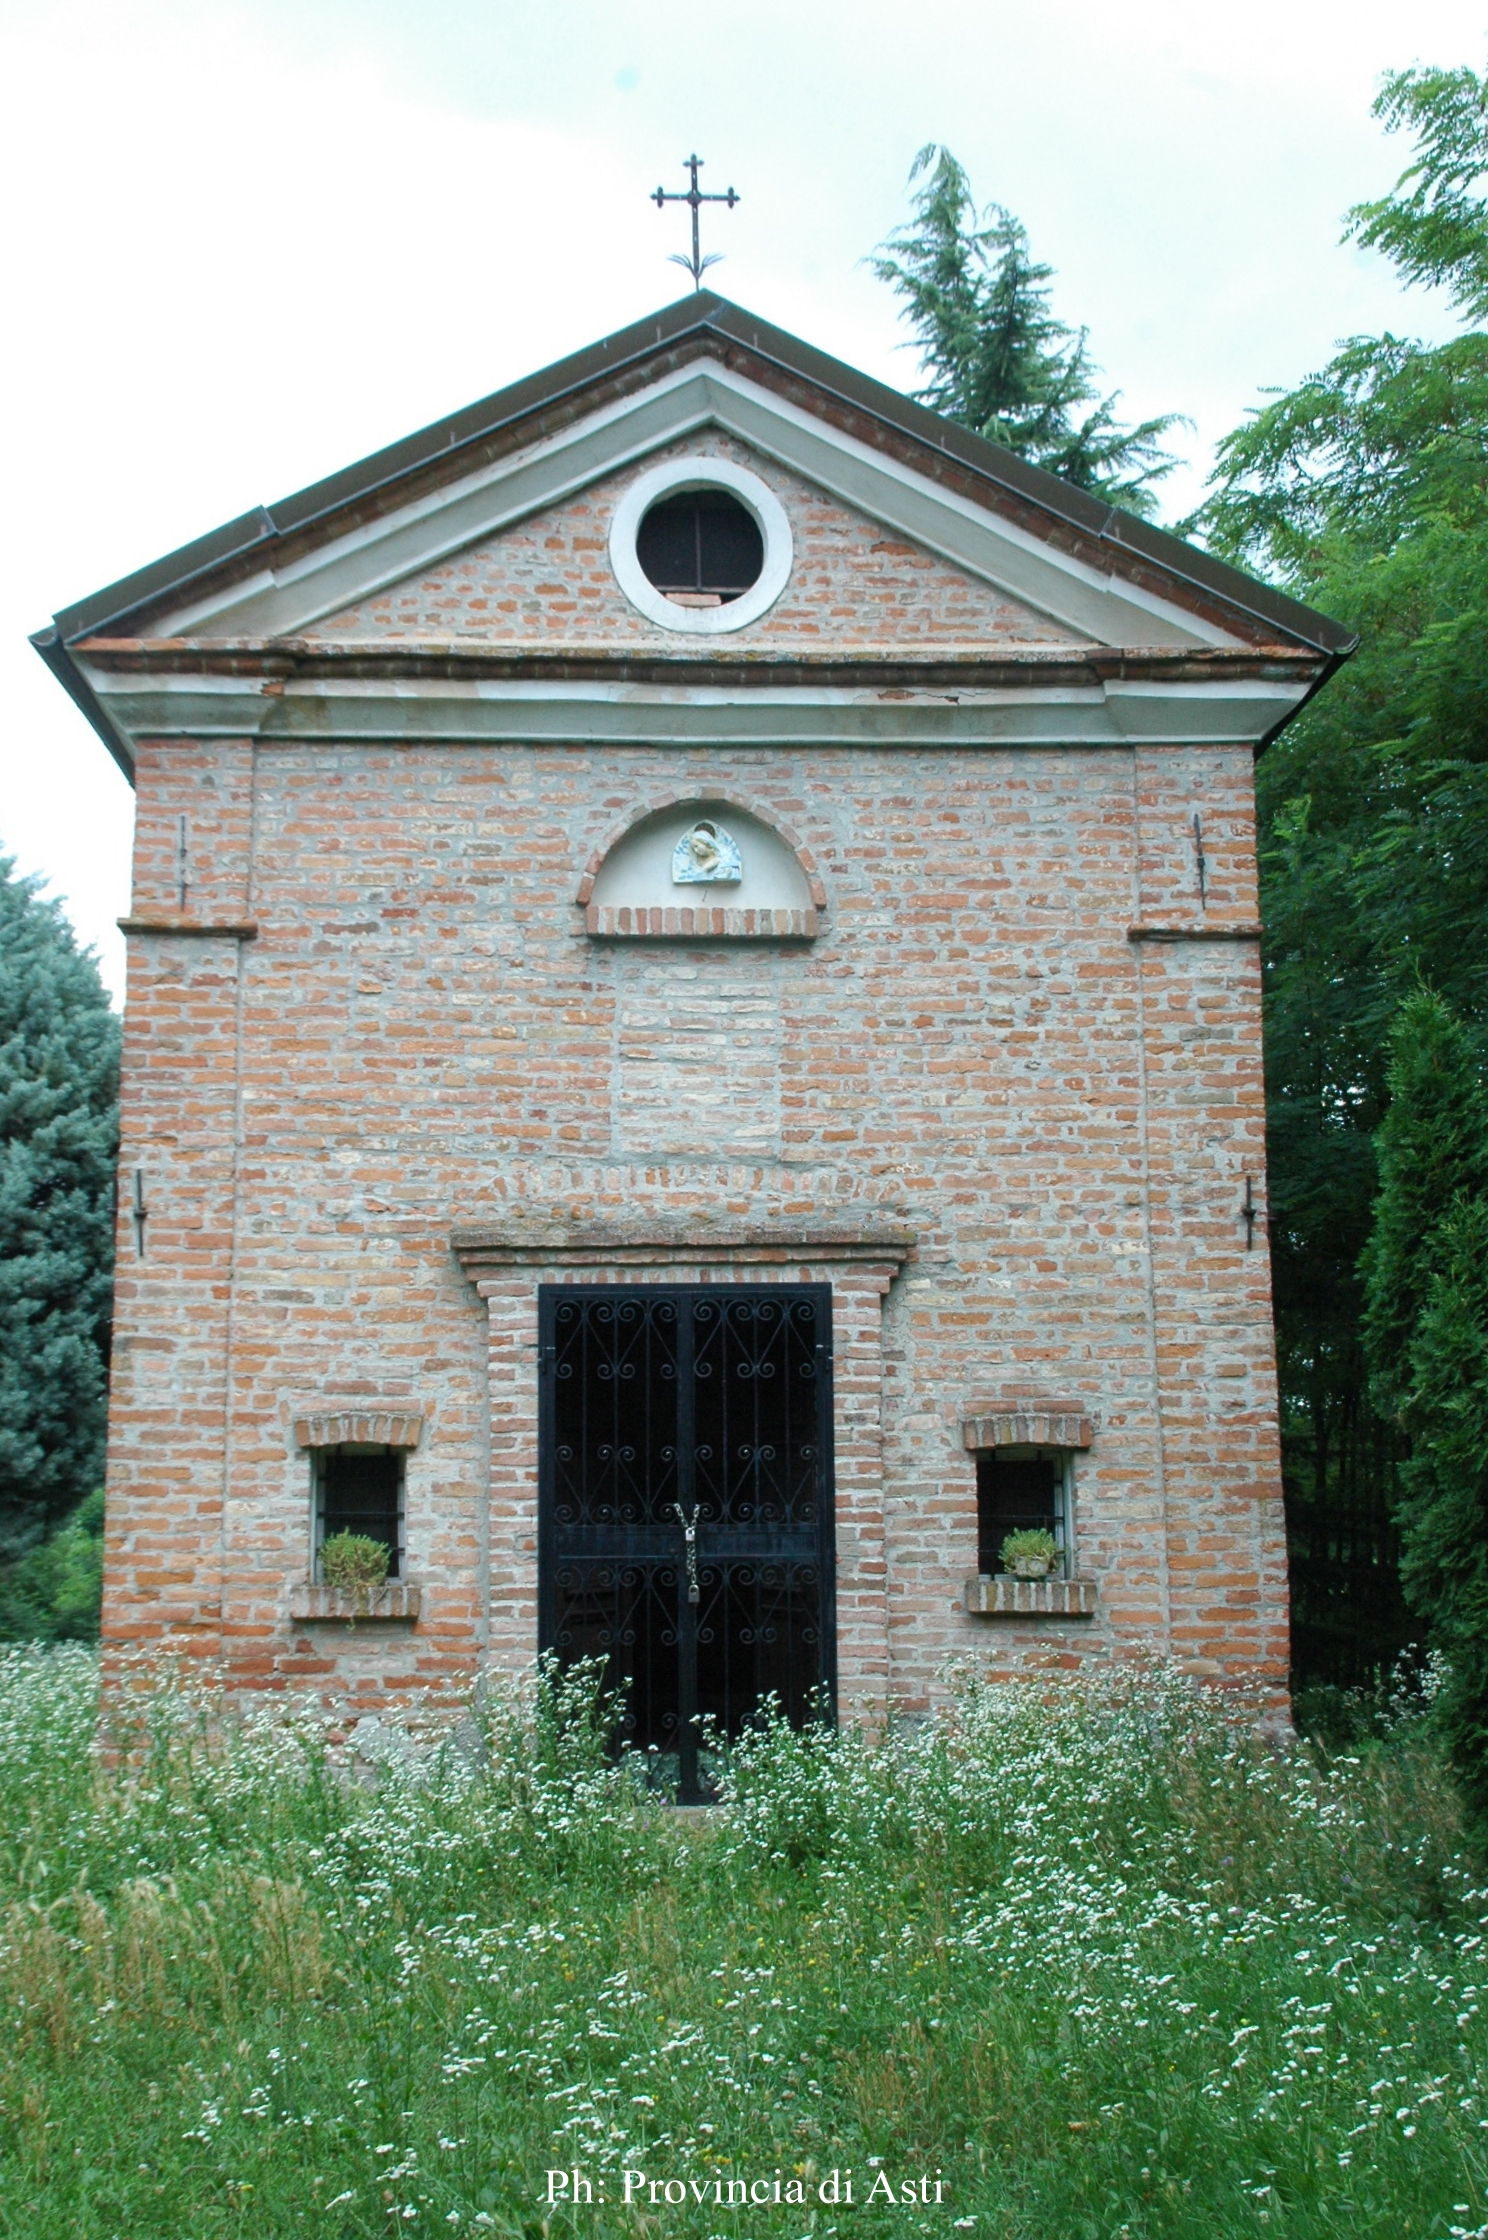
(1242,932)
(626,921)
(516,1246)
(361,1424)
(227,929)
(1031,1425)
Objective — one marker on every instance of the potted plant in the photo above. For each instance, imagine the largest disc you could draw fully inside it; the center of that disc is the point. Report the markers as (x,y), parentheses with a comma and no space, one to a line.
(354,1565)
(1030,1555)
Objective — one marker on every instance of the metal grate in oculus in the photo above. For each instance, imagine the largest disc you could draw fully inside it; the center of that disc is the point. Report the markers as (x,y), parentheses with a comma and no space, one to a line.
(685,1502)
(701,548)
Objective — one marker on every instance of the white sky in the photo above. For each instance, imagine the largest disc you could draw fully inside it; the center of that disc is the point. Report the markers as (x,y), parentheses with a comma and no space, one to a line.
(248,241)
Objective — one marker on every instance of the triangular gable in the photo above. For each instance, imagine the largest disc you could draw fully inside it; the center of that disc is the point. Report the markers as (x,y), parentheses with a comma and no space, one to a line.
(853,582)
(1089,576)
(321,577)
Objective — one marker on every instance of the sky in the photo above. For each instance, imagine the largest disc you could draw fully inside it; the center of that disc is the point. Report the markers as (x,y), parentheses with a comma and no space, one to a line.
(245,242)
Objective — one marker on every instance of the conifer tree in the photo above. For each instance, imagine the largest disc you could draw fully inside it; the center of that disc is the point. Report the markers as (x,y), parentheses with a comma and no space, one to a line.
(59,1072)
(999,361)
(1432,1147)
(1443,1510)
(1426,1339)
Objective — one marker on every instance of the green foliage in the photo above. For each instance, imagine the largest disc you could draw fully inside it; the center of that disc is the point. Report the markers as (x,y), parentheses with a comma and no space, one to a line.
(1432,225)
(1091,1954)
(998,359)
(1337,1721)
(1383,443)
(1444,1509)
(1432,1148)
(1426,1337)
(59,1079)
(1366,491)
(353,1563)
(1028,1547)
(55,1591)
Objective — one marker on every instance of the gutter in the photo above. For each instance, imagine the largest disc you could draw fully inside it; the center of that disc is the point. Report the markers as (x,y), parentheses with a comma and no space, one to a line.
(1330,668)
(54,652)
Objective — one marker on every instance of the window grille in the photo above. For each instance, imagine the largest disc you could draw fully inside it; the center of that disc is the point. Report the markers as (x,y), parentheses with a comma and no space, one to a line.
(701,544)
(1021,1489)
(360,1489)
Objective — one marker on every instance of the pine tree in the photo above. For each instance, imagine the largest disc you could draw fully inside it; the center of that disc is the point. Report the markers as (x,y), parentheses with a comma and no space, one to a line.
(59,1071)
(999,361)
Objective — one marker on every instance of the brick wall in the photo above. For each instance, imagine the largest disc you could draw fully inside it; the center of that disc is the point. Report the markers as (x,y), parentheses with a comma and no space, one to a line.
(422,1038)
(852,582)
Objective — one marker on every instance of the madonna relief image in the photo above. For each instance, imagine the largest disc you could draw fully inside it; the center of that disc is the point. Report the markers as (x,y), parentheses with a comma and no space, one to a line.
(707,856)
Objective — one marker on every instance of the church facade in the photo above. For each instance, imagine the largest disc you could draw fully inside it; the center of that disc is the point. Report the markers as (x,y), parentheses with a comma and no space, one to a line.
(693,1056)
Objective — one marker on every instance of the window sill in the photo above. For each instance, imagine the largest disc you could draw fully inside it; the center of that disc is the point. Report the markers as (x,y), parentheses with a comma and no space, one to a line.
(1007,1597)
(397,1602)
(627,921)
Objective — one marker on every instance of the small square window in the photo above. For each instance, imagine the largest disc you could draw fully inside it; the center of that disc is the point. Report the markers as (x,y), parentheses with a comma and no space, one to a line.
(360,1489)
(1021,1489)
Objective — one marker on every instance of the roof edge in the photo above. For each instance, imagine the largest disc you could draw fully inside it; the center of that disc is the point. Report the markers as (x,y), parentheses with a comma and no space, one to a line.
(1110,524)
(55,654)
(171,571)
(1125,536)
(174,571)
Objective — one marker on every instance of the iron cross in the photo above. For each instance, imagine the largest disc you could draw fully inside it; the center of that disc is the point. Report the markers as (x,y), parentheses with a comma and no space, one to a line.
(697,264)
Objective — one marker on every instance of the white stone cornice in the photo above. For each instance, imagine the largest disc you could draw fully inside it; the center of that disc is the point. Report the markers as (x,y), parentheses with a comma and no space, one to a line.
(474,710)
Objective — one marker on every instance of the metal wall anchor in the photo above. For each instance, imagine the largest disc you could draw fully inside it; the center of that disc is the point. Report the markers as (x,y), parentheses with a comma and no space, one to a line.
(689,1534)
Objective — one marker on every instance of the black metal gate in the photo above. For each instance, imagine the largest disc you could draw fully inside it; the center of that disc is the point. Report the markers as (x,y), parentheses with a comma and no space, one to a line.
(685,1501)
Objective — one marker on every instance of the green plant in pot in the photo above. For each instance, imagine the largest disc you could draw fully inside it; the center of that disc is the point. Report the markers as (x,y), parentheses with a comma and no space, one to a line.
(1029,1555)
(354,1565)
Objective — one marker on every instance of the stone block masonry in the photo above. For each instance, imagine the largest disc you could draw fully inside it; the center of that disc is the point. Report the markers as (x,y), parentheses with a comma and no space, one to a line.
(422,1042)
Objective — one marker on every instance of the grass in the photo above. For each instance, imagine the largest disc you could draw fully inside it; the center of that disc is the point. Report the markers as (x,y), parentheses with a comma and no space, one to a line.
(1091,1960)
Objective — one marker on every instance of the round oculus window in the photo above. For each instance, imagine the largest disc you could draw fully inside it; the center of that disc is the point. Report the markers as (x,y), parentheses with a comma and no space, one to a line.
(700,548)
(700,545)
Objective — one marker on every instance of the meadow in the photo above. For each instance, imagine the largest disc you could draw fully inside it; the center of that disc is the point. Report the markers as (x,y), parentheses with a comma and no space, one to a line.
(1084,1962)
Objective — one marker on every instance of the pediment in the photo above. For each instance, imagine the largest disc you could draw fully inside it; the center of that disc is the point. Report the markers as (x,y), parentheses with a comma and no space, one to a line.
(1001,574)
(853,582)
(463,583)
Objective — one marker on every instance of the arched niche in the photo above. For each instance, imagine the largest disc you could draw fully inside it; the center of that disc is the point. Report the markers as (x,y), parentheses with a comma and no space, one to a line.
(654,882)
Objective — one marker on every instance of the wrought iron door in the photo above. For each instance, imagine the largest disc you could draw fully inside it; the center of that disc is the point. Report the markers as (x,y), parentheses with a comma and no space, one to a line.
(685,1501)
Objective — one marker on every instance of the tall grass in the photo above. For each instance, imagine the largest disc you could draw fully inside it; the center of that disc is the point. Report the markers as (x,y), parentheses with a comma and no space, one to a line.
(1091,1959)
